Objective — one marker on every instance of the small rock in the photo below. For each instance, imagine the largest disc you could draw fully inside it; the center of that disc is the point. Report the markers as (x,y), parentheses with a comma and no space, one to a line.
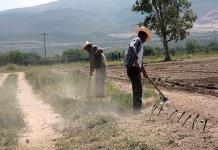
(54,140)
(202,121)
(27,141)
(99,147)
(171,142)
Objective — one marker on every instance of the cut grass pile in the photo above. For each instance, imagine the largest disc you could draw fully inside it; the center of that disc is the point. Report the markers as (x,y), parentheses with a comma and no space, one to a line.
(11,117)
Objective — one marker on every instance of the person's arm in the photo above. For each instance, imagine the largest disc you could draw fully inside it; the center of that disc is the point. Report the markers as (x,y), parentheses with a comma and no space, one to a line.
(138,45)
(99,50)
(144,72)
(92,60)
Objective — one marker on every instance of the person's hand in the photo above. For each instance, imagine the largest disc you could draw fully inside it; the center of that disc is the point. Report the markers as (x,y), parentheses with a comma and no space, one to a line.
(144,73)
(91,73)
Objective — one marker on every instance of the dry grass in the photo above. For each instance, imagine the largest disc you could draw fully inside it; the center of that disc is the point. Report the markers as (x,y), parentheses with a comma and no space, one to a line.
(91,124)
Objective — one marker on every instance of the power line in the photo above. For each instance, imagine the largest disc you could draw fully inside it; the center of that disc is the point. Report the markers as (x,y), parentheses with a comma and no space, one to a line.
(44,35)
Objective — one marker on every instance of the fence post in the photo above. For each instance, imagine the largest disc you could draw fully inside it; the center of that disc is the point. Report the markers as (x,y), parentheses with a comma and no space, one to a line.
(65,58)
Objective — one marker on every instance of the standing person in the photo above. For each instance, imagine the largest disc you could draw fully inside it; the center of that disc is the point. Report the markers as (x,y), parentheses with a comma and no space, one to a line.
(98,63)
(134,64)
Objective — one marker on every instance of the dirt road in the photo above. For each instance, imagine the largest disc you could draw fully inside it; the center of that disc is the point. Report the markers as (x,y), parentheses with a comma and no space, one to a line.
(42,123)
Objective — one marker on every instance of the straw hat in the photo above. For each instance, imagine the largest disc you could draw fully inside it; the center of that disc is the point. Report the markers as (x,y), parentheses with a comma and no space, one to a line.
(87,43)
(147,31)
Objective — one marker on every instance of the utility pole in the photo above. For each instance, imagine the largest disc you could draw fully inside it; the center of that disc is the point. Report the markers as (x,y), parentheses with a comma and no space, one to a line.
(44,35)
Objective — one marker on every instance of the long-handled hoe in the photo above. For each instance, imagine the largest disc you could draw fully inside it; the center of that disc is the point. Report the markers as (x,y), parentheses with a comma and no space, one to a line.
(163,98)
(87,89)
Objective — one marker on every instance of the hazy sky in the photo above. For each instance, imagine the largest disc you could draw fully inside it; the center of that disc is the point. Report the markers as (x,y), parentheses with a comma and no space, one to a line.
(9,4)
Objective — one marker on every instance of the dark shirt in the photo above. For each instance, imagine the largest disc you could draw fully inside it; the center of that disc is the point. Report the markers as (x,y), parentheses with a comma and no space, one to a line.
(97,57)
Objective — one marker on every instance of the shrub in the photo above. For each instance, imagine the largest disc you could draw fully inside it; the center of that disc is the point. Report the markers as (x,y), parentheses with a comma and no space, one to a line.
(17,57)
(75,53)
(148,51)
(191,46)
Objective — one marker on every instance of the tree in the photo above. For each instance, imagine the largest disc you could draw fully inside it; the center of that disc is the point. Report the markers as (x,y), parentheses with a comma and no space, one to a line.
(18,57)
(212,46)
(191,45)
(170,19)
(148,51)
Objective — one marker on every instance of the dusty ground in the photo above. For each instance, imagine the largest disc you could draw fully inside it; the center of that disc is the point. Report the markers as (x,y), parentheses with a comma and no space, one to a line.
(169,133)
(42,123)
(198,76)
(192,86)
(2,78)
(181,82)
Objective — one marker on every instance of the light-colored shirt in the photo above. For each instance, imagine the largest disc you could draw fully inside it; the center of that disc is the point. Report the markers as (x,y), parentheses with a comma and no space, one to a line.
(137,45)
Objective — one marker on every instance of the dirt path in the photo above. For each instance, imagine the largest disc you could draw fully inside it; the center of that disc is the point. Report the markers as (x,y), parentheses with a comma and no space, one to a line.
(2,78)
(42,123)
(169,134)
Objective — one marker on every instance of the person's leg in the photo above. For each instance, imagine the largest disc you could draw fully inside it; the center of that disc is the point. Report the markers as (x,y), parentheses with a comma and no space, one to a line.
(97,85)
(135,78)
(137,102)
(100,82)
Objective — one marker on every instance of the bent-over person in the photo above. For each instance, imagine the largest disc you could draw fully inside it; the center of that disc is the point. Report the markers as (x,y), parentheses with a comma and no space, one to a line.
(98,64)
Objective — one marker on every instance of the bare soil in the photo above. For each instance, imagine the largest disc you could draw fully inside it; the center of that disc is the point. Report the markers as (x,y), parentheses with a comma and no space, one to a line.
(191,86)
(42,123)
(169,134)
(198,76)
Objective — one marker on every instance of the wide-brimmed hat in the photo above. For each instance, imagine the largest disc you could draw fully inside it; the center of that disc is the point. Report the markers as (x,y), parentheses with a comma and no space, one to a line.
(147,31)
(87,43)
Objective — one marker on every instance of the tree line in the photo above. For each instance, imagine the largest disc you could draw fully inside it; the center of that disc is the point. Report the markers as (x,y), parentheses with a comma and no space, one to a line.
(18,58)
(23,58)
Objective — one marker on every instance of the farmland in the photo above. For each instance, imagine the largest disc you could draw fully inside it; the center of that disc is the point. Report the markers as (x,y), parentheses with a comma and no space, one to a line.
(55,97)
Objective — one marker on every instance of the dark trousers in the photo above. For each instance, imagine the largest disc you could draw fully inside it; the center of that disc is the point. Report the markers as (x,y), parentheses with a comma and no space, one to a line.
(134,74)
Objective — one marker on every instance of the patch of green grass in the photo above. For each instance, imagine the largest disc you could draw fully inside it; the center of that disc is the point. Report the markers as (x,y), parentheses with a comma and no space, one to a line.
(11,117)
(149,92)
(120,98)
(176,57)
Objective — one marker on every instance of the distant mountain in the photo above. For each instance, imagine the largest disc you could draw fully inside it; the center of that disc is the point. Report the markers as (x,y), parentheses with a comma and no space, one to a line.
(76,20)
(82,17)
(67,16)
